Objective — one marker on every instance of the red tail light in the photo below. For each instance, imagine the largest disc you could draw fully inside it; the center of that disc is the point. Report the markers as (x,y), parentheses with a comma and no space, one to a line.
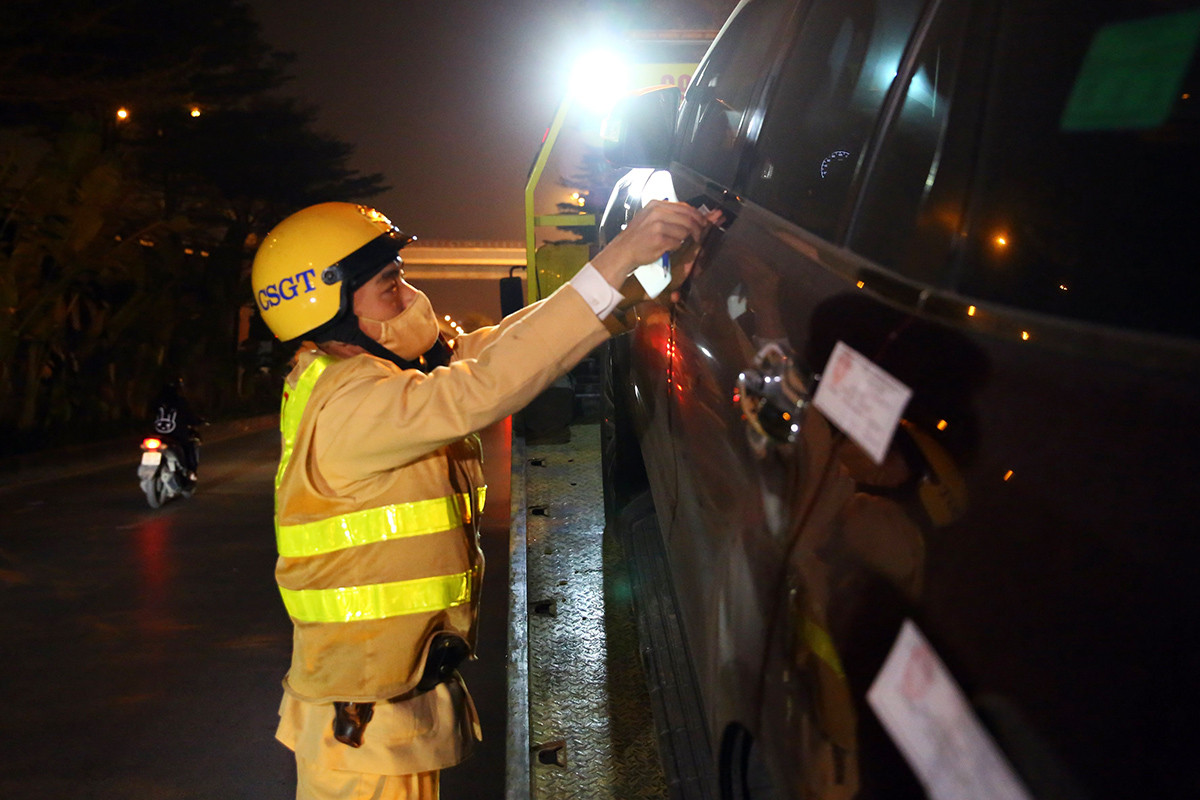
(151,443)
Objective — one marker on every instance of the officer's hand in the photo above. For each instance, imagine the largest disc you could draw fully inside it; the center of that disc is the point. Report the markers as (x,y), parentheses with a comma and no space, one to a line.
(660,227)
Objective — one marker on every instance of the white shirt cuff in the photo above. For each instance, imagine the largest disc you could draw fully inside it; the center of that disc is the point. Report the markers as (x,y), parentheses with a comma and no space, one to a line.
(598,293)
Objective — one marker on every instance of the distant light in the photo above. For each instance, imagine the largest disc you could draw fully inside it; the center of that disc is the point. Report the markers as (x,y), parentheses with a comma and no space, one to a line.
(1187,96)
(1008,475)
(122,113)
(1025,335)
(195,111)
(1063,286)
(1000,241)
(861,284)
(942,425)
(970,311)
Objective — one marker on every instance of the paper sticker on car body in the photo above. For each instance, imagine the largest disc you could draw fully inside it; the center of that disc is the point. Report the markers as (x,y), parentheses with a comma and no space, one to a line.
(861,399)
(928,717)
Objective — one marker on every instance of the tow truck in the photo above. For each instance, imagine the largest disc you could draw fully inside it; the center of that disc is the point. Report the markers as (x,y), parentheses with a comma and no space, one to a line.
(593,707)
(570,153)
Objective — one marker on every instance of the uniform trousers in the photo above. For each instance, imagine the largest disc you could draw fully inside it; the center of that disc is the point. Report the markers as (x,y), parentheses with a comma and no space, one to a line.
(316,783)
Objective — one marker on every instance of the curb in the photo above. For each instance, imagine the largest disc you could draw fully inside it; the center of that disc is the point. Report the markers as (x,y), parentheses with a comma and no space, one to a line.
(518,778)
(30,468)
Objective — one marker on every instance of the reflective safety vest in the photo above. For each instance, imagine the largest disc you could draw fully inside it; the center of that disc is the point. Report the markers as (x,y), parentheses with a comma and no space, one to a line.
(327,615)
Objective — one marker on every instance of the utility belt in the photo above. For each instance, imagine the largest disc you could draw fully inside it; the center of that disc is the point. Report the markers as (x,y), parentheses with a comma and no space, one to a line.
(446,652)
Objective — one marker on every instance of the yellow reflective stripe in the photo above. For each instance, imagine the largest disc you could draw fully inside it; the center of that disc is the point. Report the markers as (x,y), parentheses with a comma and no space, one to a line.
(378,600)
(292,408)
(376,525)
(821,644)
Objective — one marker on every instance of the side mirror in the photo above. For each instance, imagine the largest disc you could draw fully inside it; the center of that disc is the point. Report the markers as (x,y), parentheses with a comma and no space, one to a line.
(639,131)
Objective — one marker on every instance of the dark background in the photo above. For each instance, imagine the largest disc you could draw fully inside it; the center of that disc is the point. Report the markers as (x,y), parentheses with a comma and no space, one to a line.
(449,100)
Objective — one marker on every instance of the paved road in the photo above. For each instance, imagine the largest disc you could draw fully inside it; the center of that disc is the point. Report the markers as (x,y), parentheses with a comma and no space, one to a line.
(143,649)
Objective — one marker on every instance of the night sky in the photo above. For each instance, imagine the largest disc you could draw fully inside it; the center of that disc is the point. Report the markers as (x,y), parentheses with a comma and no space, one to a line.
(447,98)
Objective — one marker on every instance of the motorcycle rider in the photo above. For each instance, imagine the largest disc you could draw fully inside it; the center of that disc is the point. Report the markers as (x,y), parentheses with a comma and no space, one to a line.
(380,484)
(174,418)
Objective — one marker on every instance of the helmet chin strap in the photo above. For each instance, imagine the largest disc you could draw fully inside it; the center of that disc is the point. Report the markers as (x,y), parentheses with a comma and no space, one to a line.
(346,330)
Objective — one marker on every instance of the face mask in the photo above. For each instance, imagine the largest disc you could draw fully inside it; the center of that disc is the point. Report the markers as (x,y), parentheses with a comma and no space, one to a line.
(411,332)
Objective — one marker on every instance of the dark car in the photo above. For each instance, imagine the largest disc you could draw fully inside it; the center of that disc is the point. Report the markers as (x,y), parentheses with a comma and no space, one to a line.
(922,434)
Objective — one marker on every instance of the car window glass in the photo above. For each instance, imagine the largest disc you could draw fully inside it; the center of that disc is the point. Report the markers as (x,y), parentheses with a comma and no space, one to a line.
(1087,201)
(718,98)
(824,108)
(911,206)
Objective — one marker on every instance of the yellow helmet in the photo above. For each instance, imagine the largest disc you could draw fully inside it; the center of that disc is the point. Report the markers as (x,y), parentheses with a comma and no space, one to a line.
(307,268)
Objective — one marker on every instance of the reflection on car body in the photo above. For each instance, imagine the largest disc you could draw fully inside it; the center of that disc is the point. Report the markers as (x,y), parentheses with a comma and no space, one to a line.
(970,198)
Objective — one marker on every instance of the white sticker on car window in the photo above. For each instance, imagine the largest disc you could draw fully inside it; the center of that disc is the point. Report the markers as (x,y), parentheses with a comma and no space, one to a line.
(928,717)
(861,399)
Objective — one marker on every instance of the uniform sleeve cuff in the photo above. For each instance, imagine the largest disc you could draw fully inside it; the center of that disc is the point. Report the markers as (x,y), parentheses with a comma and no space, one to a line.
(598,293)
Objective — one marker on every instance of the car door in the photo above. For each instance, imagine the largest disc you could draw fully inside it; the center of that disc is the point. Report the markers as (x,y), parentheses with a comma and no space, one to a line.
(762,478)
(1017,255)
(1053,360)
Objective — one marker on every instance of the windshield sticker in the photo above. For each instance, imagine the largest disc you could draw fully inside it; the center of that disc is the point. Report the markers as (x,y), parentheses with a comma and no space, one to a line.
(930,720)
(861,399)
(1132,74)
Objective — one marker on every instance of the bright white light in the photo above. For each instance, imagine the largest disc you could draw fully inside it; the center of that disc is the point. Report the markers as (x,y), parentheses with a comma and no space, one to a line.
(659,186)
(598,79)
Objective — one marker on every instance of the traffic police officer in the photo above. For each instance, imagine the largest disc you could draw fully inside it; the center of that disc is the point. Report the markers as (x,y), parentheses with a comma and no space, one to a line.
(380,485)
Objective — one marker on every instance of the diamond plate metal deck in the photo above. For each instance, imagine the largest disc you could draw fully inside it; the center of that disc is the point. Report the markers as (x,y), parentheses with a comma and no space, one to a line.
(590,721)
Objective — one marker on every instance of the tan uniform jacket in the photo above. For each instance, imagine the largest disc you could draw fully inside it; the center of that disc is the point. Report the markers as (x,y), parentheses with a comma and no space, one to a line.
(373,435)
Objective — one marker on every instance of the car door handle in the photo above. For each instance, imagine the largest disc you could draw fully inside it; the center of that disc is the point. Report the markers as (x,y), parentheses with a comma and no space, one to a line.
(772,395)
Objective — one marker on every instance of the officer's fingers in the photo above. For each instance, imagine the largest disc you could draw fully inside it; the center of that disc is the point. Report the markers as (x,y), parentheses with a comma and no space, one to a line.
(650,244)
(693,222)
(670,232)
(673,224)
(658,228)
(662,212)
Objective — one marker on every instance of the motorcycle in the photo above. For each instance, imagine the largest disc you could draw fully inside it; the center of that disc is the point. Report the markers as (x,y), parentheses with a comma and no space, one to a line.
(163,473)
